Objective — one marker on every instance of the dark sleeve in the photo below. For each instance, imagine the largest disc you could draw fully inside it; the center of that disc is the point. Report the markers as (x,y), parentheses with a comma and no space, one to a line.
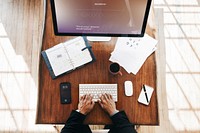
(74,123)
(122,124)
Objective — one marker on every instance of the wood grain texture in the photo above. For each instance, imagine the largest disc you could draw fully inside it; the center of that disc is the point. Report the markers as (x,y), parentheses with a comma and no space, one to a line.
(51,111)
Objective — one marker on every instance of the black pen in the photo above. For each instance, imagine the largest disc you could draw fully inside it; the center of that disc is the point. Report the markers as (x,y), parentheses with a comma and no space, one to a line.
(145,94)
(86,48)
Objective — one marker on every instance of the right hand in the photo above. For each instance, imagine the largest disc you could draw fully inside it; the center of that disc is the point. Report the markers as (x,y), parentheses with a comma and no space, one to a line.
(86,104)
(108,104)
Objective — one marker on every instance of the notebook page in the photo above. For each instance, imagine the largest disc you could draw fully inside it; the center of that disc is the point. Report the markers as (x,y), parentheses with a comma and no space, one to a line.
(74,48)
(59,59)
(142,98)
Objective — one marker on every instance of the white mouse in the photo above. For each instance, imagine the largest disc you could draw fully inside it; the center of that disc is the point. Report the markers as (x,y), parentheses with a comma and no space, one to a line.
(128,86)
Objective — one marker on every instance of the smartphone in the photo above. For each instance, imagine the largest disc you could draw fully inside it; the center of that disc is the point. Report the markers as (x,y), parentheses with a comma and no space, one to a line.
(65,93)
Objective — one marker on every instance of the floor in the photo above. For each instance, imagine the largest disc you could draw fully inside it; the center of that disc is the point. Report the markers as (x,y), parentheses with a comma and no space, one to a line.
(20,38)
(182,39)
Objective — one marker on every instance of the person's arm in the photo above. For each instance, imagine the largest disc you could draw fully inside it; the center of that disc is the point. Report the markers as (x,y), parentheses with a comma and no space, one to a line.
(74,123)
(119,119)
(121,123)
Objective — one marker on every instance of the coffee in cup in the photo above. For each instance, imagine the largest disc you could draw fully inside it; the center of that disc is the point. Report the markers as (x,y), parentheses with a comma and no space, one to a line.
(115,68)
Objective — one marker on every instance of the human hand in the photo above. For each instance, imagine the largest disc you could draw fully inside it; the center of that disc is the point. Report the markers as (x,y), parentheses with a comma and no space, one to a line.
(85,104)
(108,104)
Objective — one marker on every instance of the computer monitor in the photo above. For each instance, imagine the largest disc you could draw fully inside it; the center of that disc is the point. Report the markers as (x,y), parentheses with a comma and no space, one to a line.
(114,18)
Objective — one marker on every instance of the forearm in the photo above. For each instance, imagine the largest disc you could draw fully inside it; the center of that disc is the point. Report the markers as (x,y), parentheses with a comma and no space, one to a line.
(73,123)
(122,123)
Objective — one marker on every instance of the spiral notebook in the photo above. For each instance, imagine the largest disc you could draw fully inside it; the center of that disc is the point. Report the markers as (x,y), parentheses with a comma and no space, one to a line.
(68,56)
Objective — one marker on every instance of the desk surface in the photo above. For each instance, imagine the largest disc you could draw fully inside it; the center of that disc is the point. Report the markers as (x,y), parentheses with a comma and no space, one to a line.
(50,111)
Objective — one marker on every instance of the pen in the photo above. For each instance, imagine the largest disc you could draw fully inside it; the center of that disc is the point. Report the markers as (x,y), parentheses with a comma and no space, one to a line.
(86,48)
(145,94)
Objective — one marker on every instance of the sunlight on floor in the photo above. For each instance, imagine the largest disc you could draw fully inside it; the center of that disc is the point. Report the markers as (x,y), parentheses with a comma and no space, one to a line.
(182,2)
(182,33)
(17,104)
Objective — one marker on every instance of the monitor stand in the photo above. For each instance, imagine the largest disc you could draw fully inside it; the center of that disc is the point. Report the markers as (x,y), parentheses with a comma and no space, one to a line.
(98,39)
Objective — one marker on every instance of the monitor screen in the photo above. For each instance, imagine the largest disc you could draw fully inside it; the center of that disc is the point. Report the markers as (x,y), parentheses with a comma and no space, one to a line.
(100,17)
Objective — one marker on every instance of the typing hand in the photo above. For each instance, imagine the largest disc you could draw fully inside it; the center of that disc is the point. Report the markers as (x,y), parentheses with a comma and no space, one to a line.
(107,103)
(86,104)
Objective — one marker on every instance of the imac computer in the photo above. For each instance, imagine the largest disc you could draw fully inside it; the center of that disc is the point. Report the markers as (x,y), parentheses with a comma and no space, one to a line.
(100,18)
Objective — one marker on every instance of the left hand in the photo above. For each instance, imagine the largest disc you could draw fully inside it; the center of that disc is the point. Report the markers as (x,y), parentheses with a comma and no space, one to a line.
(86,104)
(108,104)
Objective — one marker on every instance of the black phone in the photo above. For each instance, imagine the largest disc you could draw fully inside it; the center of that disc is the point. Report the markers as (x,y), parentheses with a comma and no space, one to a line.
(65,93)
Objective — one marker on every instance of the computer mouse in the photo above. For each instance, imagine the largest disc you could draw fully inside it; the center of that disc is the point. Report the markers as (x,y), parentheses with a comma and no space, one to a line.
(128,86)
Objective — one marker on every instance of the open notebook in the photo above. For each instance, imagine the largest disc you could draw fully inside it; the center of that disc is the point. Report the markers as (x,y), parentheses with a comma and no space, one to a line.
(66,57)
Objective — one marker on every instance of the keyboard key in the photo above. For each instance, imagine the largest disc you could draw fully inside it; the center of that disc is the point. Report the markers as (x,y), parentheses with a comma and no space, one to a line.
(97,89)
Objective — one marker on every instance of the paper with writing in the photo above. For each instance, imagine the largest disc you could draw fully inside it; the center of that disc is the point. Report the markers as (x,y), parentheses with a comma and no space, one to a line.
(131,53)
(68,55)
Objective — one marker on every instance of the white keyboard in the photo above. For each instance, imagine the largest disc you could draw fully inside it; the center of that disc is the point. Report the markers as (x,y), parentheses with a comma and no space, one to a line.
(96,89)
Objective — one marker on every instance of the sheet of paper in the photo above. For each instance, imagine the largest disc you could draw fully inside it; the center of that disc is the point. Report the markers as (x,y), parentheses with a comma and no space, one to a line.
(131,53)
(59,59)
(130,62)
(74,48)
(142,98)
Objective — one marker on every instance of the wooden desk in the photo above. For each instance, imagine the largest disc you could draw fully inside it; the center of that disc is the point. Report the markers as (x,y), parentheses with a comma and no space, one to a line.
(50,111)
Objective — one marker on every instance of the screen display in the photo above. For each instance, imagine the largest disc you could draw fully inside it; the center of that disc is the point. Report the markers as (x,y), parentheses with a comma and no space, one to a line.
(100,17)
